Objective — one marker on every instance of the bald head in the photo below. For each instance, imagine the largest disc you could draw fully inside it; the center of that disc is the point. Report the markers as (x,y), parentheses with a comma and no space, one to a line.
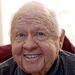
(37,11)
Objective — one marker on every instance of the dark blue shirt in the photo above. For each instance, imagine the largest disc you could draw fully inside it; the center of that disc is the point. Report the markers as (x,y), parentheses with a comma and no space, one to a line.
(64,65)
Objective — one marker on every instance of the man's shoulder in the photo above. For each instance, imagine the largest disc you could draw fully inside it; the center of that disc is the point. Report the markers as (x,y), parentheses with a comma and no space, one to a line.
(67,55)
(68,61)
(7,66)
(7,63)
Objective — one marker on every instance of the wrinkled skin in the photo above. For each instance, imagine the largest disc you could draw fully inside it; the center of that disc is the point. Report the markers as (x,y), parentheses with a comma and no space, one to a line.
(35,42)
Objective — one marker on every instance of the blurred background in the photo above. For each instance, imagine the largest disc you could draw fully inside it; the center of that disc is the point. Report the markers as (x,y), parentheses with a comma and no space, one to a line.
(64,8)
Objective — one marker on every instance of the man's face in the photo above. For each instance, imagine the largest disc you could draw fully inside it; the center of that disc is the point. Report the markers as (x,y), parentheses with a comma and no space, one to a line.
(34,46)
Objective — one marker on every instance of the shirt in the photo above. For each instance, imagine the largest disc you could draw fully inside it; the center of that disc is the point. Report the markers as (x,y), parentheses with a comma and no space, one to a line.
(64,65)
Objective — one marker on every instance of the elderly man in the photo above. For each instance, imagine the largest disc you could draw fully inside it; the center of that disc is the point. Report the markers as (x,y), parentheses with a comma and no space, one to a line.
(36,44)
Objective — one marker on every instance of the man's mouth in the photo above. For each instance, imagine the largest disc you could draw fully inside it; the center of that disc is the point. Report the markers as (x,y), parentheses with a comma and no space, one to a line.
(31,56)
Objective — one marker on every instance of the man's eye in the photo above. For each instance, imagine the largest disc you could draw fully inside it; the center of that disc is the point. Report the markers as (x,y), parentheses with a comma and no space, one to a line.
(41,34)
(21,35)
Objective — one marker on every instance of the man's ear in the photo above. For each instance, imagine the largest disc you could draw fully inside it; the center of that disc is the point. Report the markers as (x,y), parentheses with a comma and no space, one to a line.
(61,40)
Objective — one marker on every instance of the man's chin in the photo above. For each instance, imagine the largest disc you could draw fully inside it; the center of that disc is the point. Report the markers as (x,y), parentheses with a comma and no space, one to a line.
(32,68)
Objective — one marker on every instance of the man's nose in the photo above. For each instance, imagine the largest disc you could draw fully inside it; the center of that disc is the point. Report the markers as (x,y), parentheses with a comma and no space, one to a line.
(29,43)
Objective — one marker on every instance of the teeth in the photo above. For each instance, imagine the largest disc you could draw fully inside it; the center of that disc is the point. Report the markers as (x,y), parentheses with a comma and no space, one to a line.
(31,56)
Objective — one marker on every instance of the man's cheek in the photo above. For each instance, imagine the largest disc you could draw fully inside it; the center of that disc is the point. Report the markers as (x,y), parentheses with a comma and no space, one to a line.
(16,50)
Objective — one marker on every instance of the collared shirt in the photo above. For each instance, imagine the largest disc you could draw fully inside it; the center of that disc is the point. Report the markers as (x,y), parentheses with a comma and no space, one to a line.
(64,65)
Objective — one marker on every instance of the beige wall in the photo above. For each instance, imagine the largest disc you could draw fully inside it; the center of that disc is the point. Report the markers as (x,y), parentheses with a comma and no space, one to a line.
(0,26)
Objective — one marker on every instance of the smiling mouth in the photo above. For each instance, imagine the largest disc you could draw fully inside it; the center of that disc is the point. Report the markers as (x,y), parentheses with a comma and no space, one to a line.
(32,56)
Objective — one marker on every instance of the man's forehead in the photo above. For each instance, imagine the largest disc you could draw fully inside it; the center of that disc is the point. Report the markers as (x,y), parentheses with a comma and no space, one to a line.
(37,11)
